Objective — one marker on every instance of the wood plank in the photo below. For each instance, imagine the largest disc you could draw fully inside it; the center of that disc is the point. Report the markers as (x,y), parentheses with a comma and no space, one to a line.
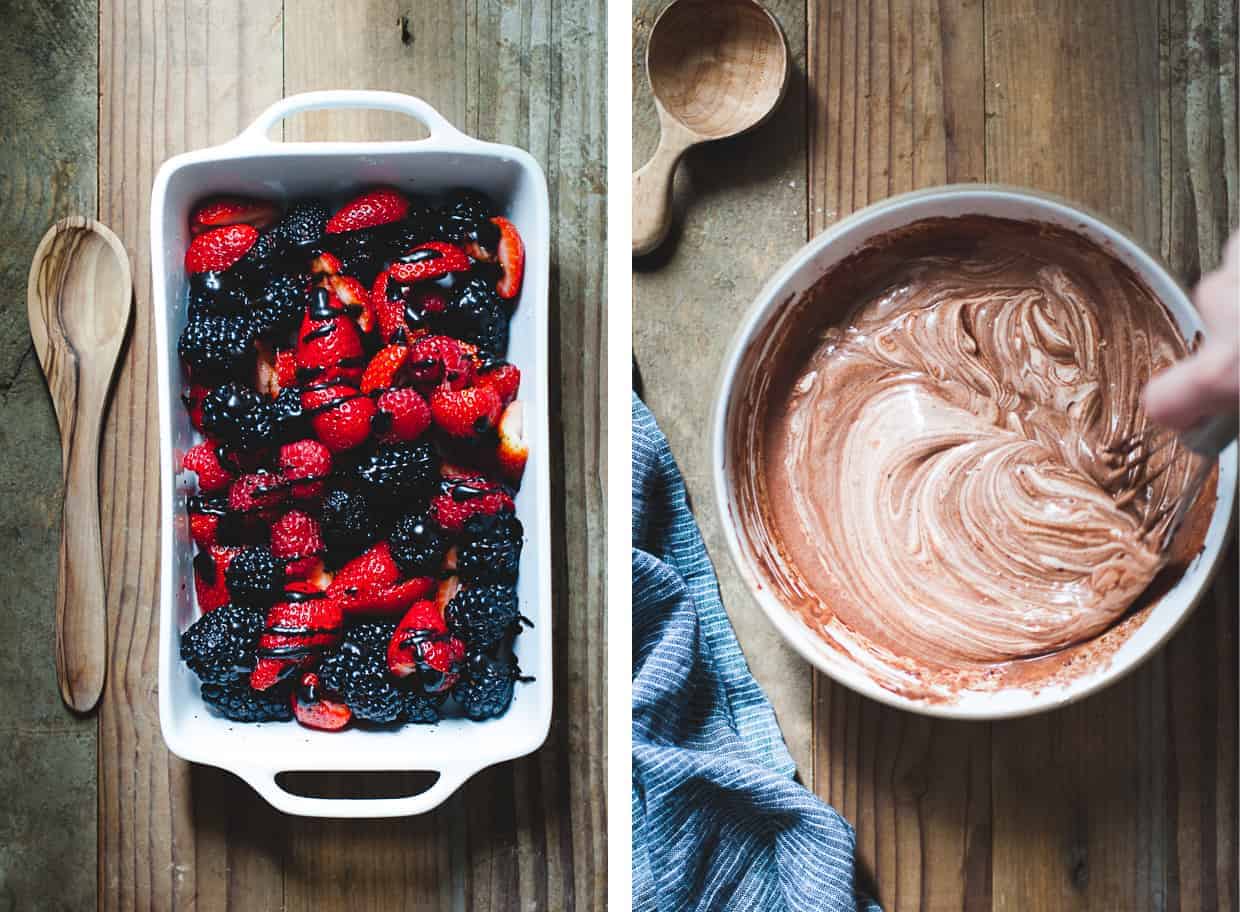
(740,211)
(896,104)
(47,170)
(528,834)
(1126,800)
(172,77)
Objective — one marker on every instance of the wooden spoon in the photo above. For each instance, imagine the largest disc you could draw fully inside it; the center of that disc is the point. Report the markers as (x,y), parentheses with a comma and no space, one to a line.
(80,298)
(717,69)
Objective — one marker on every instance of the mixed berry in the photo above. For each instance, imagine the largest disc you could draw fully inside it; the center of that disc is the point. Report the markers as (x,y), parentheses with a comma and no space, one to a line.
(357,541)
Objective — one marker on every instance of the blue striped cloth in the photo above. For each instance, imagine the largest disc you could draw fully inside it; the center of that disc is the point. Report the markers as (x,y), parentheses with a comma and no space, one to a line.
(718,820)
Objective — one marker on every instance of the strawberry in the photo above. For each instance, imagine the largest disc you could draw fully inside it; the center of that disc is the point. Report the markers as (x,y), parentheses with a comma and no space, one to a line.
(388,600)
(192,400)
(219,211)
(328,344)
(325,264)
(448,587)
(203,459)
(382,371)
(428,261)
(209,567)
(218,249)
(257,494)
(389,311)
(467,412)
(378,207)
(204,519)
(511,258)
(435,360)
(299,627)
(513,451)
(500,376)
(373,567)
(464,497)
(422,644)
(315,710)
(339,414)
(305,464)
(266,374)
(355,298)
(371,584)
(295,538)
(405,413)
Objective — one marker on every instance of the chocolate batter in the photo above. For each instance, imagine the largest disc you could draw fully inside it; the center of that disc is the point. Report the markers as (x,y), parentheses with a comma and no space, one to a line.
(929,469)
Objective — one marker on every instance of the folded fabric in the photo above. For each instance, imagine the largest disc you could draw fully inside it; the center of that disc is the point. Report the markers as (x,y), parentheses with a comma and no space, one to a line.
(718,820)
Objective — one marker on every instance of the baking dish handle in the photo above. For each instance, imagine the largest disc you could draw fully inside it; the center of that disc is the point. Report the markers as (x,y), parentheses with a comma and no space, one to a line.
(257,132)
(264,782)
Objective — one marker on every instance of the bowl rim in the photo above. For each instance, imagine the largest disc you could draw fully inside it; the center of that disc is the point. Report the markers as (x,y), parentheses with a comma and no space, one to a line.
(773,297)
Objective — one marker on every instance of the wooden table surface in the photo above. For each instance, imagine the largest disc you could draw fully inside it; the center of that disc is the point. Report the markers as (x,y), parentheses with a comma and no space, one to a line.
(94,95)
(1126,801)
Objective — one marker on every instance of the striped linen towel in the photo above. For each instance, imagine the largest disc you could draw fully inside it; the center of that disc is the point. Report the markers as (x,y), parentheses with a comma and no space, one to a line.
(718,820)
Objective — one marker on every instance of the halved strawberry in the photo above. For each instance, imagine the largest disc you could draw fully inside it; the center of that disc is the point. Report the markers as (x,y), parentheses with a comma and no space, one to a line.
(218,249)
(355,298)
(428,261)
(466,496)
(371,584)
(448,587)
(512,451)
(329,347)
(286,368)
(219,211)
(300,627)
(440,360)
(339,415)
(266,376)
(511,258)
(465,413)
(500,376)
(305,465)
(313,709)
(378,207)
(203,459)
(384,367)
(209,585)
(422,644)
(405,414)
(325,264)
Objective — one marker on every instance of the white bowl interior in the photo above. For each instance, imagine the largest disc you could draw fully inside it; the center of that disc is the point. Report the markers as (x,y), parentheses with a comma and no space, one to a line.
(793,280)
(258,751)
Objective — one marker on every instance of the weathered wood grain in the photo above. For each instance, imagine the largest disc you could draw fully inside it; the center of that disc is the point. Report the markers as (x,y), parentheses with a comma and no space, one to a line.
(896,104)
(739,212)
(172,77)
(47,170)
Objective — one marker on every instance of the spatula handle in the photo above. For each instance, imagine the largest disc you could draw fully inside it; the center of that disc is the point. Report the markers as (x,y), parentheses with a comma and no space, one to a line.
(81,619)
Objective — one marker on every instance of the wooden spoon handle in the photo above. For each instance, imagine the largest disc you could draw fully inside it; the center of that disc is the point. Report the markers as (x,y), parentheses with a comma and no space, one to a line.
(652,188)
(81,619)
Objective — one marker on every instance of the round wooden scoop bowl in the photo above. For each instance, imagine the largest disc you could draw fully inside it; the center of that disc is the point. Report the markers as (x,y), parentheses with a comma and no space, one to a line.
(79,300)
(717,69)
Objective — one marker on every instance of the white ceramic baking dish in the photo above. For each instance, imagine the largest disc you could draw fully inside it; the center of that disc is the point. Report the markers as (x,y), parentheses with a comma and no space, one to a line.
(253,164)
(792,281)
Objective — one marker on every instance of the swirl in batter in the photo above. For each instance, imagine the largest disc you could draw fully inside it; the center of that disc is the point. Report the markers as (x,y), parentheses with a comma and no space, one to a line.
(933,459)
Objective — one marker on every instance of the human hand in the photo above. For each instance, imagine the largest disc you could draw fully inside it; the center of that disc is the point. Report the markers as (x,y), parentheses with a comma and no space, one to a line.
(1208,382)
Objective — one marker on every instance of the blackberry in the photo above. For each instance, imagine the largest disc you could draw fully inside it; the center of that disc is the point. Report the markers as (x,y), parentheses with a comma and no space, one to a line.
(467,217)
(288,418)
(480,615)
(418,545)
(302,226)
(485,688)
(346,523)
(362,253)
(468,205)
(420,709)
(401,473)
(239,416)
(490,549)
(357,672)
(219,646)
(241,703)
(414,229)
(278,310)
(254,576)
(476,314)
(217,346)
(210,293)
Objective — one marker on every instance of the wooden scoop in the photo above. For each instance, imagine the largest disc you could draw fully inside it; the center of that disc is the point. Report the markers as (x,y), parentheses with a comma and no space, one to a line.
(80,298)
(717,69)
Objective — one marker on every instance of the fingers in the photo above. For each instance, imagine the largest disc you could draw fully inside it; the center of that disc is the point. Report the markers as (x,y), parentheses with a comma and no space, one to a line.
(1205,384)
